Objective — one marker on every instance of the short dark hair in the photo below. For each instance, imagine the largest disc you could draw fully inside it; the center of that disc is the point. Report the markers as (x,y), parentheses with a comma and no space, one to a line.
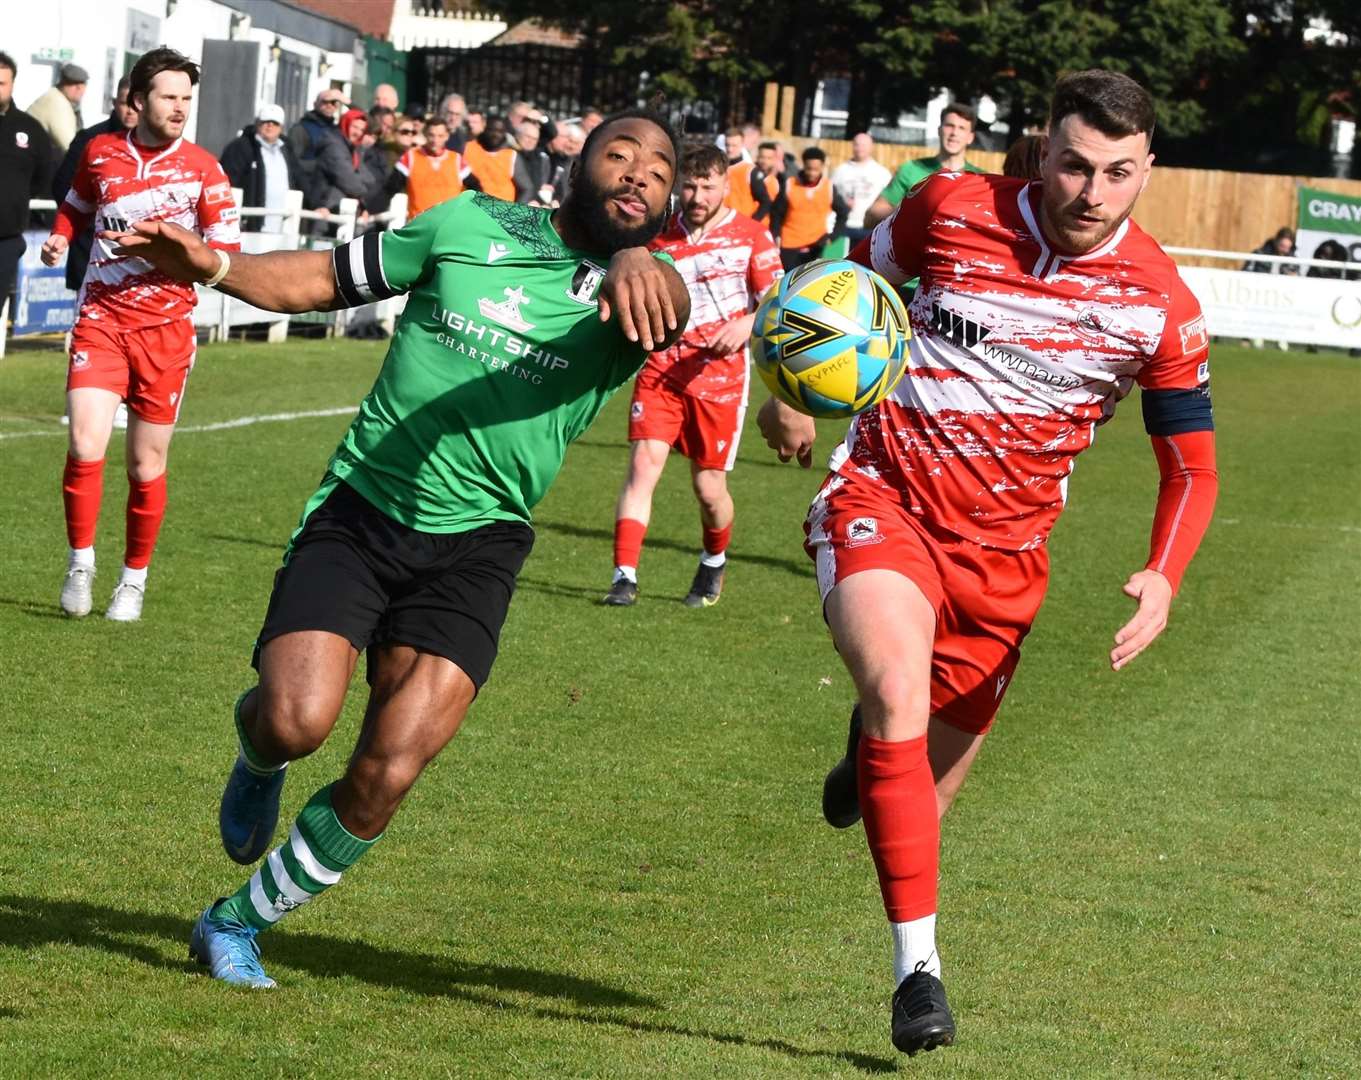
(162,58)
(125,83)
(434,120)
(7,61)
(703,160)
(642,112)
(814,153)
(1285,232)
(964,112)
(1112,103)
(767,146)
(1024,157)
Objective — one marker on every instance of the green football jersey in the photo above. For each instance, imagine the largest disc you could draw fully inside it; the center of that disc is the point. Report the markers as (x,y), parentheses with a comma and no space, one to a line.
(913,172)
(499,361)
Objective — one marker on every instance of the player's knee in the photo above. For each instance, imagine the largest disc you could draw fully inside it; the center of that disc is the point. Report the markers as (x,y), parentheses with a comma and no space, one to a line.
(895,706)
(295,722)
(146,466)
(710,489)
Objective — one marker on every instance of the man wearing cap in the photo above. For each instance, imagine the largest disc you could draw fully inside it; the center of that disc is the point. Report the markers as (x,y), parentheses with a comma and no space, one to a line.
(261,163)
(323,154)
(58,109)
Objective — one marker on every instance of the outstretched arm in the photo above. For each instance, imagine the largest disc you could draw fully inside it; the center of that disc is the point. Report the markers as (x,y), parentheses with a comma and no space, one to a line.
(647,296)
(285,281)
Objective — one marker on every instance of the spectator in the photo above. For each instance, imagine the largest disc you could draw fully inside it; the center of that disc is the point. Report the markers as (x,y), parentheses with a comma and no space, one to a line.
(956,136)
(401,139)
(563,152)
(859,182)
(810,199)
(260,162)
(1024,158)
(385,97)
(754,188)
(381,122)
(751,140)
(497,164)
(123,117)
(324,156)
(431,174)
(477,123)
(1331,250)
(367,160)
(25,172)
(537,165)
(734,147)
(523,112)
(453,111)
(1283,243)
(58,108)
(590,120)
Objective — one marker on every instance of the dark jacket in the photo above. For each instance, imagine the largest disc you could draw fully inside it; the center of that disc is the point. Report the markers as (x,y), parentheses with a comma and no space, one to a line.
(328,172)
(25,168)
(78,254)
(1252,266)
(244,165)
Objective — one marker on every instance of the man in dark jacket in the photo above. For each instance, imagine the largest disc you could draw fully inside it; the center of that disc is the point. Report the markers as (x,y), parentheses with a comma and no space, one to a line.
(123,117)
(327,172)
(260,162)
(25,166)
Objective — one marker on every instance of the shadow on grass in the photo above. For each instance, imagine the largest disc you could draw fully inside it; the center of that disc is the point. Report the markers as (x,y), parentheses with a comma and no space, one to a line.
(271,545)
(30,922)
(591,593)
(35,608)
(798,567)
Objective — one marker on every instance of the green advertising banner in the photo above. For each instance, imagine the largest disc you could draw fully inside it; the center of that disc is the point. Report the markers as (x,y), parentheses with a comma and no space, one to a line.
(1329,226)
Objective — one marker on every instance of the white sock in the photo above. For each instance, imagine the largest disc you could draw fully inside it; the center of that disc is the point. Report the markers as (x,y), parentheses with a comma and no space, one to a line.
(81,557)
(133,577)
(626,573)
(914,943)
(713,560)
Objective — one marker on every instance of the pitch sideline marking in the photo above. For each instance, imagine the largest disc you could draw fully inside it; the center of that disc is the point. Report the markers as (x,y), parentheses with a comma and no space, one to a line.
(221,425)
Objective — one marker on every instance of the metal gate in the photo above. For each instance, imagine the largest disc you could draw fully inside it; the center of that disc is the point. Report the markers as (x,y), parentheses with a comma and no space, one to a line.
(290,86)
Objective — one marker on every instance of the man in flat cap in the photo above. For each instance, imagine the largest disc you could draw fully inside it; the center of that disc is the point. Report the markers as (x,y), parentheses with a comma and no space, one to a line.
(58,109)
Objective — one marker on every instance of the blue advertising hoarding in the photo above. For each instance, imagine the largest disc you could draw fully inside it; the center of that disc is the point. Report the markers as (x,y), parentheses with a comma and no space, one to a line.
(42,302)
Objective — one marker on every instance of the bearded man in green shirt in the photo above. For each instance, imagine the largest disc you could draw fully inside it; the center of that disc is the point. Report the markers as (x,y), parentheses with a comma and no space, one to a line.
(520,323)
(956,135)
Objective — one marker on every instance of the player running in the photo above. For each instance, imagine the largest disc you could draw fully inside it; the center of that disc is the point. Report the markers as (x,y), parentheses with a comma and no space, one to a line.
(134,334)
(693,396)
(956,136)
(518,328)
(1041,304)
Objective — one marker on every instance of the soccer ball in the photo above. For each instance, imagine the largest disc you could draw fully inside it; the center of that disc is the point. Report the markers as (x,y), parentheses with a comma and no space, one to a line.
(830,338)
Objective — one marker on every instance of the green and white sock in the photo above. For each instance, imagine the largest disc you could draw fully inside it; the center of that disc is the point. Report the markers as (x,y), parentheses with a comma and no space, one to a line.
(250,757)
(318,850)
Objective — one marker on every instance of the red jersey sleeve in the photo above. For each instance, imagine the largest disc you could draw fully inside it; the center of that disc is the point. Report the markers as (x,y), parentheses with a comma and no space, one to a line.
(764,268)
(1182,358)
(403,164)
(82,199)
(894,250)
(218,217)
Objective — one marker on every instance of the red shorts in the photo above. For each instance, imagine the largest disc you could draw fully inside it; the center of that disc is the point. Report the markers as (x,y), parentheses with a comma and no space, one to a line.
(147,367)
(706,432)
(985,598)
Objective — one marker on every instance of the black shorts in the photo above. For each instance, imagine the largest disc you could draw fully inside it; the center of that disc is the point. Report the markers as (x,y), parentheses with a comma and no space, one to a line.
(356,572)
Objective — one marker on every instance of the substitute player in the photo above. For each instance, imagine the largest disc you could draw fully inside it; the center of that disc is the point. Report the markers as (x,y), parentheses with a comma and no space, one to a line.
(519,327)
(433,173)
(134,333)
(693,396)
(1041,305)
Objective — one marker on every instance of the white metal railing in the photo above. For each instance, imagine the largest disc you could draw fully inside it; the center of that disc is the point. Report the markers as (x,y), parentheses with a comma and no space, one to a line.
(1241,257)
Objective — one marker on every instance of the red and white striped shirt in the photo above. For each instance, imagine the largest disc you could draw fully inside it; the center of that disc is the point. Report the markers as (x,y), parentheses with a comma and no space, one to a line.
(119,182)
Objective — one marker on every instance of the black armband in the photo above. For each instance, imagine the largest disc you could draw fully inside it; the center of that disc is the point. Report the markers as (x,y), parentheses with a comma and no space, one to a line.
(1175,412)
(358,267)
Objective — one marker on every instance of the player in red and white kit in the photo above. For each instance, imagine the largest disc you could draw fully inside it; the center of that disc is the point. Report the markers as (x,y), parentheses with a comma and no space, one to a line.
(693,396)
(134,336)
(1041,304)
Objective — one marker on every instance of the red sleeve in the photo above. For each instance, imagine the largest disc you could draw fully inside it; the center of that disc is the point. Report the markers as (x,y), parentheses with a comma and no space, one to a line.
(764,268)
(403,165)
(894,249)
(218,217)
(77,210)
(1187,488)
(1182,358)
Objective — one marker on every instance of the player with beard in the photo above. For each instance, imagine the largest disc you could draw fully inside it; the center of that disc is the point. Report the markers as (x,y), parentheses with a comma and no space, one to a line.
(693,396)
(1041,305)
(520,324)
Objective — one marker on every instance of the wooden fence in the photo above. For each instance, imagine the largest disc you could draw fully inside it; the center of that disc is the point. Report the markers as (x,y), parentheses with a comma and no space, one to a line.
(1202,208)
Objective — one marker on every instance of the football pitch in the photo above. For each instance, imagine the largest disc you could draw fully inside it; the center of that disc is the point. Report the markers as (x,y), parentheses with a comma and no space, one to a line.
(619,867)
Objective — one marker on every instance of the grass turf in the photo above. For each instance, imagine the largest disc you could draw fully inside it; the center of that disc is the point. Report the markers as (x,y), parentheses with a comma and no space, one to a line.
(619,867)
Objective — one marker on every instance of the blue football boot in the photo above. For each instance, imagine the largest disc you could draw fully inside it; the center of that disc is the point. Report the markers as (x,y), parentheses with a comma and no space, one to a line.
(249,811)
(227,948)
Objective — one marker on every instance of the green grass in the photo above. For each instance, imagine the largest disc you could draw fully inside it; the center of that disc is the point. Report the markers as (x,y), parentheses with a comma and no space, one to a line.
(619,867)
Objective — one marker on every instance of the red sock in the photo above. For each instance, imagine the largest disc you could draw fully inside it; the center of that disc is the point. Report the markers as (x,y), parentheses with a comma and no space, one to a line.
(146,511)
(628,541)
(82,486)
(898,803)
(716,540)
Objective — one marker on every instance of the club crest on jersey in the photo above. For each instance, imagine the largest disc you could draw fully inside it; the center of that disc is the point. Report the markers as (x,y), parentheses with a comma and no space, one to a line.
(586,282)
(507,312)
(862,531)
(1091,323)
(1194,336)
(21,140)
(636,410)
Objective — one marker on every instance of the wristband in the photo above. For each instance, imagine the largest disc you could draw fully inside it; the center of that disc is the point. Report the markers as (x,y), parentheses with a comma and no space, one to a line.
(223,266)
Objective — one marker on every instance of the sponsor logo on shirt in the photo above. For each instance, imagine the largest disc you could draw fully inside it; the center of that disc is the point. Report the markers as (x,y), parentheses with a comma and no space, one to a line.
(496,251)
(586,282)
(956,329)
(527,361)
(862,531)
(218,193)
(115,222)
(507,312)
(1194,336)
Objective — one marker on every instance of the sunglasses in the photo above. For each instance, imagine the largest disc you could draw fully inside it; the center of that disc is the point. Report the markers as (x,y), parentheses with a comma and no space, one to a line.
(333,101)
(408,131)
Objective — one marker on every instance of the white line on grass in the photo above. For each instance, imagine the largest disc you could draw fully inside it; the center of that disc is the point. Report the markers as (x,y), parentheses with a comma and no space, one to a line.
(221,425)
